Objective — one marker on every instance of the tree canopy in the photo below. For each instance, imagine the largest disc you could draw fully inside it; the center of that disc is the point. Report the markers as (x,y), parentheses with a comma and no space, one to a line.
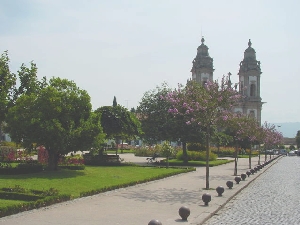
(58,117)
(118,123)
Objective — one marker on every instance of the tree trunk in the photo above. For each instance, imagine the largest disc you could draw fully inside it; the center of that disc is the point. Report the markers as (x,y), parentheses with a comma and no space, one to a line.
(207,160)
(235,161)
(0,132)
(184,152)
(122,147)
(117,142)
(250,155)
(259,157)
(265,155)
(167,162)
(53,157)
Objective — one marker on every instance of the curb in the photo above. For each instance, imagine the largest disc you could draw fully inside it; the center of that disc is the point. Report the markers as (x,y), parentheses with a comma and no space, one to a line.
(236,193)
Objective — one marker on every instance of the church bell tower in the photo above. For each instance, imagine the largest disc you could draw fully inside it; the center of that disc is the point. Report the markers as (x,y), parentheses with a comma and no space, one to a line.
(202,69)
(249,84)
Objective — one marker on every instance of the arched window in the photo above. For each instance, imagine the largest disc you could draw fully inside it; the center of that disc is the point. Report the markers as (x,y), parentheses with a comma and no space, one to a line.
(252,114)
(252,90)
(242,88)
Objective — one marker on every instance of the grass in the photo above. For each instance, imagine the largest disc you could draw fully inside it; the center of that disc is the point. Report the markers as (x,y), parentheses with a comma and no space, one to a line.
(92,178)
(4,202)
(176,162)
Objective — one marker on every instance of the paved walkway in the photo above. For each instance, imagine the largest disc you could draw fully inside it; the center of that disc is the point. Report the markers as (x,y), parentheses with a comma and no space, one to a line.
(139,204)
(271,199)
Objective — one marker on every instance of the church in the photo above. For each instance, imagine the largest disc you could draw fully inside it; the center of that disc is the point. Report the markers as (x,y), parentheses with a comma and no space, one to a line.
(249,78)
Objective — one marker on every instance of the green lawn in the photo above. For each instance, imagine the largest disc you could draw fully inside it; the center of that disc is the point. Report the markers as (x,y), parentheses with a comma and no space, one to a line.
(92,178)
(4,202)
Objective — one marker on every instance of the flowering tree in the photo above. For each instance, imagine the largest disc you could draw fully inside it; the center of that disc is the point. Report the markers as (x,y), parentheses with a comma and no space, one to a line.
(271,137)
(245,132)
(204,106)
(158,124)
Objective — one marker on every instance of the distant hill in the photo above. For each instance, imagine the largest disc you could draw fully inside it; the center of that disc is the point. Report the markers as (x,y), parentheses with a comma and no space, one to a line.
(288,129)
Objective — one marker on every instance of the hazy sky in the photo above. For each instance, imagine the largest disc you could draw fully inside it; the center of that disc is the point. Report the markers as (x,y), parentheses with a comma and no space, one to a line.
(125,48)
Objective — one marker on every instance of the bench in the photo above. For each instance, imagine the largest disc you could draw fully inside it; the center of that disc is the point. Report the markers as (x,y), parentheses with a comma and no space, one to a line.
(111,158)
(100,159)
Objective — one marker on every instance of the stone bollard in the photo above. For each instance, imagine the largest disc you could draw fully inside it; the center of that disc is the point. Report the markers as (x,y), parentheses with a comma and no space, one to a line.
(184,212)
(252,171)
(206,198)
(229,184)
(243,176)
(237,180)
(220,190)
(248,173)
(154,222)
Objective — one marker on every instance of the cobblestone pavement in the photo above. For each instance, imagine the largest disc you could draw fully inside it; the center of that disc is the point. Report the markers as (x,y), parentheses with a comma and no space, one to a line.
(274,198)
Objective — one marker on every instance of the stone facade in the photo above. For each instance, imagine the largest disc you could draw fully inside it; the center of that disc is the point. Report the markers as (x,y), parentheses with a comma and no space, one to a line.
(202,69)
(249,84)
(249,78)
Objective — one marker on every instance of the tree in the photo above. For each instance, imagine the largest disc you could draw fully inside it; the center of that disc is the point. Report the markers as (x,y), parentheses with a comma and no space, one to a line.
(153,113)
(118,123)
(7,84)
(158,124)
(245,132)
(204,106)
(9,91)
(115,102)
(298,139)
(271,138)
(29,83)
(59,117)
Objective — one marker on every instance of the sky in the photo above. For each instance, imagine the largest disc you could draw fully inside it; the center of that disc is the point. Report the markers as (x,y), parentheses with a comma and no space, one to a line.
(126,48)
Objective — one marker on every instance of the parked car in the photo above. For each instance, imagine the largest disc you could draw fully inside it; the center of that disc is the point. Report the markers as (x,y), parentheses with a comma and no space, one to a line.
(282,152)
(292,153)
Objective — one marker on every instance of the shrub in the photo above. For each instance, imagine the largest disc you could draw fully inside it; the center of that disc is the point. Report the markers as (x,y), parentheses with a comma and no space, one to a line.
(223,151)
(146,151)
(197,156)
(195,147)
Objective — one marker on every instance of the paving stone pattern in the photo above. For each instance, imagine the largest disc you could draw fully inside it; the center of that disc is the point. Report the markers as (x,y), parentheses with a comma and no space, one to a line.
(273,198)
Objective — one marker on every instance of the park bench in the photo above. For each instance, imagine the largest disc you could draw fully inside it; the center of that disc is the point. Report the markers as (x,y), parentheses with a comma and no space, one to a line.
(111,158)
(98,159)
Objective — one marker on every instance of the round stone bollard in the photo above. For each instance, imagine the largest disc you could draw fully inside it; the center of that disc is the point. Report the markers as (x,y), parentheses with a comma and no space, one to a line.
(237,179)
(252,171)
(220,190)
(206,198)
(154,222)
(243,176)
(248,173)
(184,212)
(229,184)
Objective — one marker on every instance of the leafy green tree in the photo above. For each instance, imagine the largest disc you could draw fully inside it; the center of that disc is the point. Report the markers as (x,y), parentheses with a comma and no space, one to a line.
(26,79)
(59,117)
(118,123)
(298,139)
(7,85)
(153,113)
(292,147)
